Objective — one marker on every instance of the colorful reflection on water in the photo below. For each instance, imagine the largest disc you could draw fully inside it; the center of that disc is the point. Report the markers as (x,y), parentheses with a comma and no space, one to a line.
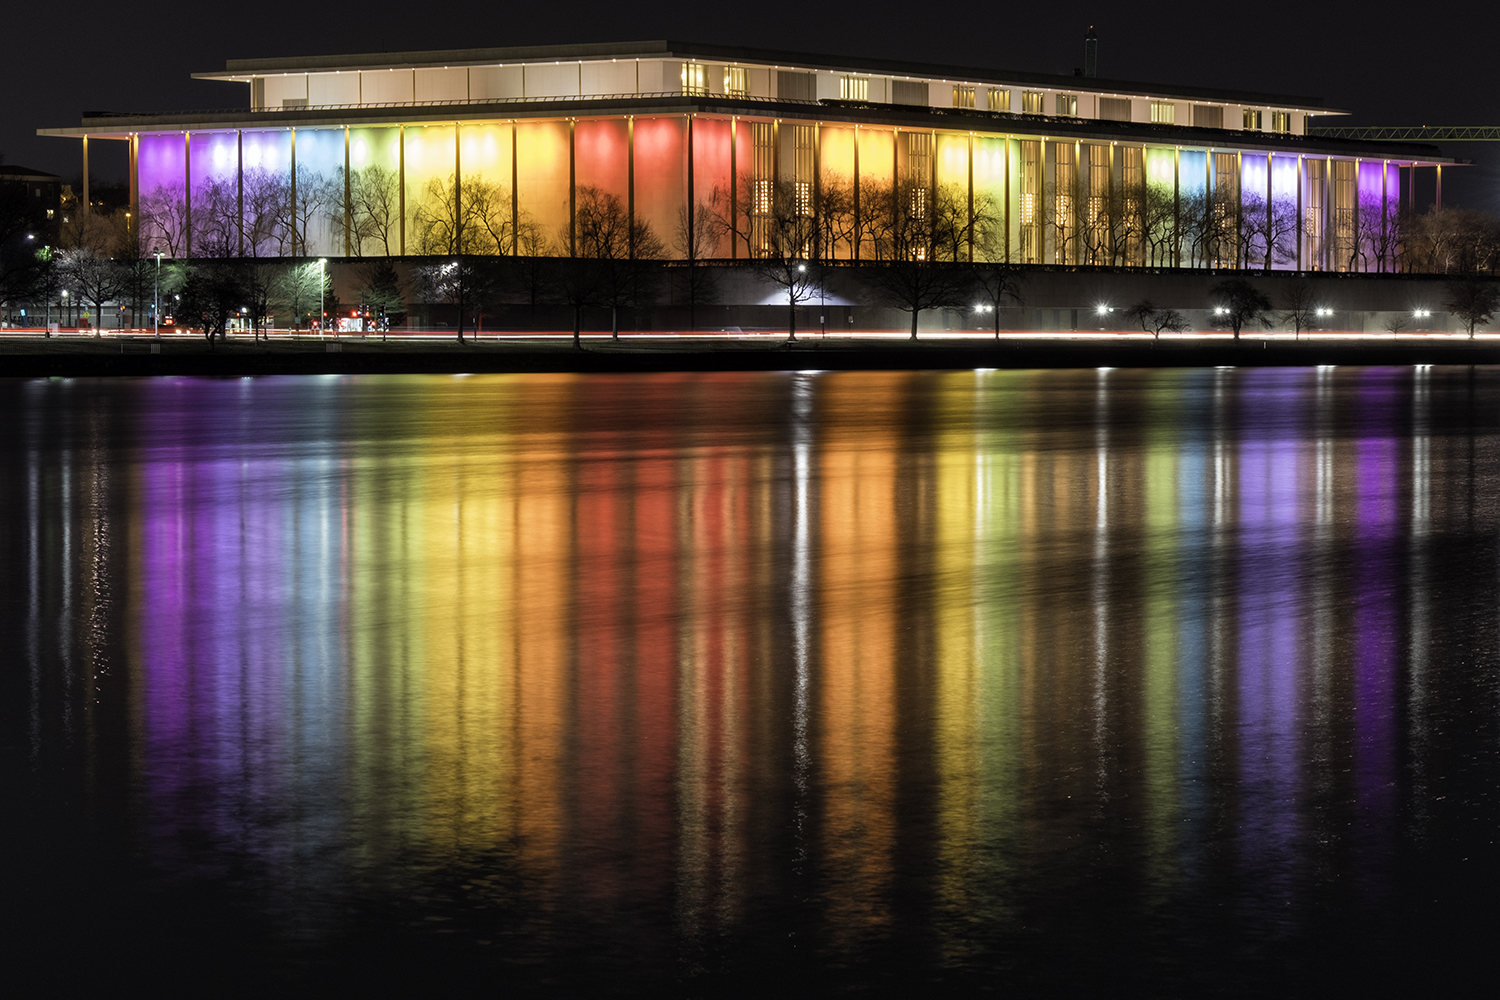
(1004,675)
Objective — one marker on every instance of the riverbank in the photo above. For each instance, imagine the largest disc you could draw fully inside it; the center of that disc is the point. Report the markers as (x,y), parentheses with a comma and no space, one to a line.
(29,357)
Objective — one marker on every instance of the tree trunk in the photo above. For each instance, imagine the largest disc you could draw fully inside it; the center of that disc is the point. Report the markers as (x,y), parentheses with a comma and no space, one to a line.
(997,322)
(577,327)
(614,323)
(914,314)
(791,323)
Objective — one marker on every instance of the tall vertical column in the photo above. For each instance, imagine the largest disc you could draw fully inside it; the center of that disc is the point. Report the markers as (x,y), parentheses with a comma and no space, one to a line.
(1298,228)
(1177,207)
(1005,182)
(187,195)
(630,180)
(1354,228)
(971,195)
(1269,219)
(858,222)
(299,244)
(401,180)
(87,205)
(734,180)
(458,193)
(239,186)
(1327,210)
(572,189)
(515,198)
(135,188)
(1385,208)
(692,206)
(348,200)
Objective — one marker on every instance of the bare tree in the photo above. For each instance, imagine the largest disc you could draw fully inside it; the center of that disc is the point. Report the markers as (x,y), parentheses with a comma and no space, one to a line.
(920,272)
(375,209)
(1451,241)
(995,282)
(95,279)
(488,228)
(164,219)
(1379,232)
(1474,301)
(615,243)
(465,282)
(215,218)
(531,271)
(1154,319)
(267,209)
(1240,303)
(1159,234)
(316,196)
(781,231)
(697,231)
(1298,304)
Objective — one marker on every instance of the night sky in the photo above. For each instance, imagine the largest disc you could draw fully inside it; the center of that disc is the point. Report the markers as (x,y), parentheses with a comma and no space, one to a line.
(1389,63)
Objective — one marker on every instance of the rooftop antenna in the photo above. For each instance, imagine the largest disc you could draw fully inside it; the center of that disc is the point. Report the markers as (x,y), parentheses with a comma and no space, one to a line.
(1090,53)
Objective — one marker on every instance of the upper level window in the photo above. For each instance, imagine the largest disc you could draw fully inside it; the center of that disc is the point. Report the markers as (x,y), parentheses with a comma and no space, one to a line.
(999,100)
(1067,105)
(963,97)
(1031,102)
(1281,121)
(1252,119)
(1163,112)
(1114,109)
(736,81)
(694,78)
(854,88)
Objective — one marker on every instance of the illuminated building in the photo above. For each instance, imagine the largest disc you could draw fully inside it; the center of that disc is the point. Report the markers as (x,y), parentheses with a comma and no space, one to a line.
(495,150)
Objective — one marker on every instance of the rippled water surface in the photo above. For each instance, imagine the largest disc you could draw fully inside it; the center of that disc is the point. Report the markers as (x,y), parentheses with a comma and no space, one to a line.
(1171,682)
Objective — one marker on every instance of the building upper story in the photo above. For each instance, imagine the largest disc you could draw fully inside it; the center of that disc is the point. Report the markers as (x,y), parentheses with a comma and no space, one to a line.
(665,69)
(38,195)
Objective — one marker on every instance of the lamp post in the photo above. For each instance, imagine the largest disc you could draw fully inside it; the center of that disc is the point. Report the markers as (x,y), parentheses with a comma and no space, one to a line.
(64,305)
(156,300)
(322,316)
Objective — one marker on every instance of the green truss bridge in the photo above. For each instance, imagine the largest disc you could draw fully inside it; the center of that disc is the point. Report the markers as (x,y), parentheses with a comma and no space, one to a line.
(1410,133)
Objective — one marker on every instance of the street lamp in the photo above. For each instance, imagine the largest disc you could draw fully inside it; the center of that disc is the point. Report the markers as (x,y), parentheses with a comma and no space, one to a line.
(156,300)
(322,316)
(64,305)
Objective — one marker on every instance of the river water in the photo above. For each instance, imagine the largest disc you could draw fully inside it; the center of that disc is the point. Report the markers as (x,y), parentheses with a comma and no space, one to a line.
(1168,682)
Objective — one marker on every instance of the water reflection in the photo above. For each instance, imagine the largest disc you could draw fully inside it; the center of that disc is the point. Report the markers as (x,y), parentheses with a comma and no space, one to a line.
(851,666)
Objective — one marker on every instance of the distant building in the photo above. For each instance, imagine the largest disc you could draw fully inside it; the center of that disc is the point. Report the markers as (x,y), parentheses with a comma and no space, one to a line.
(42,198)
(490,150)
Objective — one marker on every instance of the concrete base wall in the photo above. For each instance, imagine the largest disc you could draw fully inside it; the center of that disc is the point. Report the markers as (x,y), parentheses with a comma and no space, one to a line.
(1053,300)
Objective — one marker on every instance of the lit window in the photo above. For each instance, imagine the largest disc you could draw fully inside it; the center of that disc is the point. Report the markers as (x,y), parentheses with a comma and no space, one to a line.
(963,97)
(1031,102)
(50,213)
(1163,113)
(854,88)
(1252,120)
(694,80)
(918,203)
(999,100)
(761,201)
(736,81)
(803,192)
(1281,121)
(1067,105)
